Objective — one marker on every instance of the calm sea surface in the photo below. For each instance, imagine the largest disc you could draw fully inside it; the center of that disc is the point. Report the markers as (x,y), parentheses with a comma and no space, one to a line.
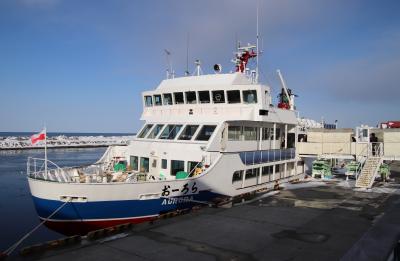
(17,213)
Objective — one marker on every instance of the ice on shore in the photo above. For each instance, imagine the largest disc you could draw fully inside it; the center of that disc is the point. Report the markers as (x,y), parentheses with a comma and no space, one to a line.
(63,141)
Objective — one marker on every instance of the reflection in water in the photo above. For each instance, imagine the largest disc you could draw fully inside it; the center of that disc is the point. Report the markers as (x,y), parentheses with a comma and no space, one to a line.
(18,214)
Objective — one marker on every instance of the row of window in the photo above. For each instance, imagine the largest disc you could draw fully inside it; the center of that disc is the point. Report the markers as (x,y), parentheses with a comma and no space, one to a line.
(264,156)
(253,173)
(251,133)
(171,131)
(192,97)
(142,164)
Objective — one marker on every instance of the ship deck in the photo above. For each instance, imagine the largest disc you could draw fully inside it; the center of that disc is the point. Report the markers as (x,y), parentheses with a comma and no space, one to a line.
(316,220)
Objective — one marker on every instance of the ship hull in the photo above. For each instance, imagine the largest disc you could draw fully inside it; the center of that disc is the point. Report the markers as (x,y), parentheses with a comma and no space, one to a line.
(82,217)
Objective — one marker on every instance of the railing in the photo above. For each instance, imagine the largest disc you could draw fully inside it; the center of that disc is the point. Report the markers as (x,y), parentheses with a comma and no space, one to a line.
(375,149)
(264,156)
(36,168)
(360,156)
(94,173)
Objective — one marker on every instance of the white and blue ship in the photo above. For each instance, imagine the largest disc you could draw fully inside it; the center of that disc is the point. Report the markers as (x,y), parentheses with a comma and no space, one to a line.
(205,138)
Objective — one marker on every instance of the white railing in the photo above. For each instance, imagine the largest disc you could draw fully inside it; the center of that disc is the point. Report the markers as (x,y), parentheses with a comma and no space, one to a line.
(36,168)
(94,173)
(375,149)
(361,158)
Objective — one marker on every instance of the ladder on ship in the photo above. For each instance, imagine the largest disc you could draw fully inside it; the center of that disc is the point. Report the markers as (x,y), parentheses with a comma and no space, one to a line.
(368,172)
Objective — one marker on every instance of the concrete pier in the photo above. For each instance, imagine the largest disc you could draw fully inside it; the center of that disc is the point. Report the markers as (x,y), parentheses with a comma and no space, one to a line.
(308,221)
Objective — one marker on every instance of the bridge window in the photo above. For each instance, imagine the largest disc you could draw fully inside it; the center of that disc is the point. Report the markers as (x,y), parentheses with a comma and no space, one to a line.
(237,175)
(188,132)
(134,163)
(218,96)
(204,96)
(206,132)
(250,96)
(191,97)
(148,101)
(233,96)
(234,132)
(250,133)
(145,130)
(156,130)
(157,100)
(144,164)
(170,132)
(179,98)
(167,99)
(176,166)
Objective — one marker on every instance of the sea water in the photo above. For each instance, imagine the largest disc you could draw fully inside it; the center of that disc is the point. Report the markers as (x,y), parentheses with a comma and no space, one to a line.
(17,212)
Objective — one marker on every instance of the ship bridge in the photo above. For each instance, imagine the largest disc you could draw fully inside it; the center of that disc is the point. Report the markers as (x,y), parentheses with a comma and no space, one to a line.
(212,98)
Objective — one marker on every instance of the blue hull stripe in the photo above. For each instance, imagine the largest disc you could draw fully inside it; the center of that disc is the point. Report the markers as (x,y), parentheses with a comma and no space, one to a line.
(114,209)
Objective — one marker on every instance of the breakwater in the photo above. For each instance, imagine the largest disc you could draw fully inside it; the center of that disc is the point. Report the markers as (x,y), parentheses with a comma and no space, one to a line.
(63,141)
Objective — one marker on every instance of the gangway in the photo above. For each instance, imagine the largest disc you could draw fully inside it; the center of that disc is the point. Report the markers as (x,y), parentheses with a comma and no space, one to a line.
(368,172)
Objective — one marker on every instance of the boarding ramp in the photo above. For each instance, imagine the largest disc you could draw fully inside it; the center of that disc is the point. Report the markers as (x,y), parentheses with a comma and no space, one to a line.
(368,172)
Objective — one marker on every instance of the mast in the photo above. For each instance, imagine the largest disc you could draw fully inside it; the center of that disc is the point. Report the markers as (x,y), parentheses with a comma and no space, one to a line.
(257,44)
(187,55)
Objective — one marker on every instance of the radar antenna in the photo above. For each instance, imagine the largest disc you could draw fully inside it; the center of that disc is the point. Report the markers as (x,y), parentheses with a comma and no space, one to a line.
(242,57)
(198,70)
(170,72)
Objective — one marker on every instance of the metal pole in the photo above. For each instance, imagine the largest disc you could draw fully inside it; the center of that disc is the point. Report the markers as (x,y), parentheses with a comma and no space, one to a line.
(257,45)
(45,153)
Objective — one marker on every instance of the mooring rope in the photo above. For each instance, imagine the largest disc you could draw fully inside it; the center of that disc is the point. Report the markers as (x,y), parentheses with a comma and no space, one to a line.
(16,244)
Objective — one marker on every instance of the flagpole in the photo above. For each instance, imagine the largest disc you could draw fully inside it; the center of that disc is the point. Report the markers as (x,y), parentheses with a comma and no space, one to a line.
(45,152)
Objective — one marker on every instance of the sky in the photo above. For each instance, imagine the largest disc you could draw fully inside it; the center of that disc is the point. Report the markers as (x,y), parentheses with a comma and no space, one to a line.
(81,65)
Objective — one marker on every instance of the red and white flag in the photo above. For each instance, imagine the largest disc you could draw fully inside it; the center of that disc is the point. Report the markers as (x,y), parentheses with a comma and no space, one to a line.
(38,137)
